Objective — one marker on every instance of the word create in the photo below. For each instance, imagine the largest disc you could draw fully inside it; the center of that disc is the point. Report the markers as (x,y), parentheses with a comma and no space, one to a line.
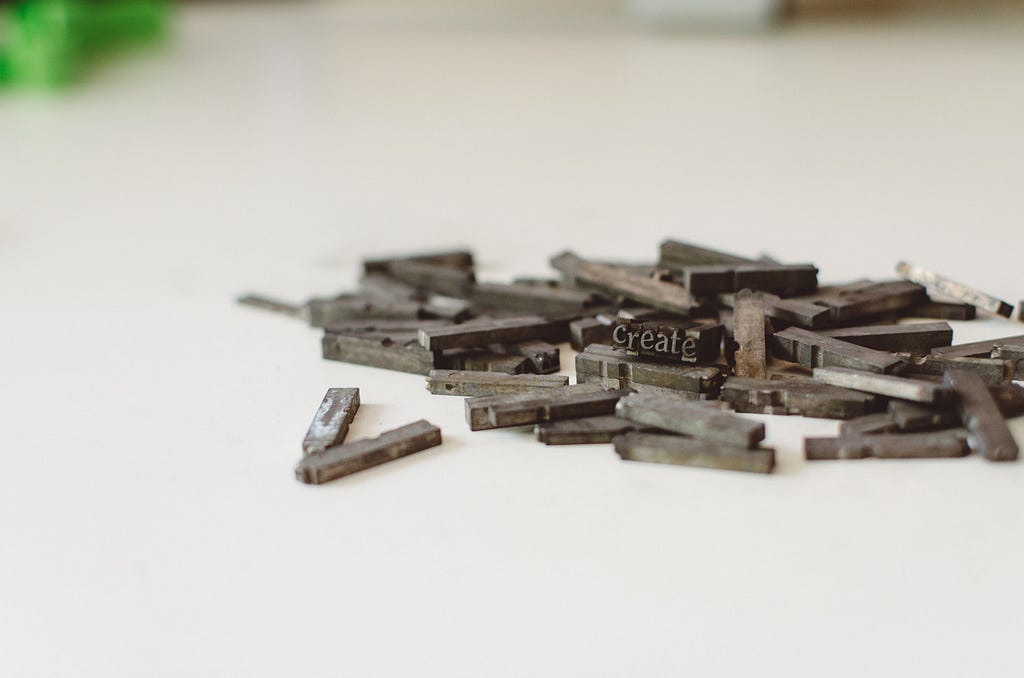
(698,343)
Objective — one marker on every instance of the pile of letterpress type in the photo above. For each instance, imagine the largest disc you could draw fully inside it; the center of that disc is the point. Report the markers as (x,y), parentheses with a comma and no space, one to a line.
(668,354)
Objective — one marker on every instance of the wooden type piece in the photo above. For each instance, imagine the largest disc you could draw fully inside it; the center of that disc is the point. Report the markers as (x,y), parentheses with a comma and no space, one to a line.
(585,431)
(300,311)
(386,352)
(952,289)
(614,368)
(749,335)
(331,421)
(477,383)
(977,349)
(529,298)
(919,338)
(677,255)
(863,301)
(943,444)
(717,278)
(675,342)
(477,408)
(344,460)
(617,281)
(811,349)
(991,370)
(885,385)
(485,332)
(670,449)
(988,433)
(452,282)
(680,416)
(943,310)
(869,424)
(796,396)
(913,417)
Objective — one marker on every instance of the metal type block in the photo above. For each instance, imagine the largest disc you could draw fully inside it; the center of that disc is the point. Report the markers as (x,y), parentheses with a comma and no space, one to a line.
(530,299)
(869,424)
(949,288)
(680,416)
(452,282)
(988,433)
(456,259)
(811,349)
(585,431)
(486,332)
(991,370)
(324,312)
(620,282)
(799,312)
(481,360)
(913,417)
(864,301)
(587,331)
(942,310)
(383,326)
(670,449)
(943,444)
(976,349)
(1009,398)
(300,311)
(919,338)
(677,255)
(615,368)
(542,357)
(673,342)
(715,279)
(477,408)
(749,334)
(344,460)
(570,402)
(383,287)
(385,352)
(885,385)
(331,421)
(796,396)
(477,383)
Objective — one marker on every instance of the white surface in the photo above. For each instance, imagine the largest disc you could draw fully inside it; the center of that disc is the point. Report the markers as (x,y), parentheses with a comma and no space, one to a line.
(150,521)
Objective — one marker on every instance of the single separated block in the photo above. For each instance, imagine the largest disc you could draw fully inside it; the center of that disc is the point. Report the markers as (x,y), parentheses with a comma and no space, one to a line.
(344,460)
(669,449)
(331,421)
(674,414)
(475,383)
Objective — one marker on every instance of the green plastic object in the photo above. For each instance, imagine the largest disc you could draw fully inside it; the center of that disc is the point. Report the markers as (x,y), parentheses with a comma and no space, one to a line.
(51,43)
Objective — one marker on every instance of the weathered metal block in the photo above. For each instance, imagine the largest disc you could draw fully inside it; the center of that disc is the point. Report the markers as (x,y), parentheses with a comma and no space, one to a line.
(885,385)
(988,433)
(481,360)
(541,357)
(331,421)
(678,255)
(674,342)
(323,312)
(385,352)
(477,383)
(796,396)
(797,312)
(991,370)
(869,424)
(344,460)
(456,259)
(486,332)
(888,446)
(529,298)
(619,282)
(669,449)
(383,287)
(919,338)
(943,310)
(383,327)
(584,431)
(587,331)
(717,278)
(976,349)
(811,349)
(615,368)
(749,334)
(570,402)
(452,282)
(866,300)
(952,289)
(679,416)
(913,417)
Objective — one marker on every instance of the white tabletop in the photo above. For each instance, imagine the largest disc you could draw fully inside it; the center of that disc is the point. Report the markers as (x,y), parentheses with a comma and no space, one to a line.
(151,523)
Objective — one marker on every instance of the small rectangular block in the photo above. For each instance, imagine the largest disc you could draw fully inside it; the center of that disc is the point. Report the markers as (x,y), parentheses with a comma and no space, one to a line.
(812,349)
(885,385)
(384,352)
(476,383)
(669,449)
(588,430)
(478,409)
(344,460)
(988,433)
(672,342)
(796,396)
(679,416)
(485,332)
(954,290)
(615,368)
(331,421)
(919,338)
(888,446)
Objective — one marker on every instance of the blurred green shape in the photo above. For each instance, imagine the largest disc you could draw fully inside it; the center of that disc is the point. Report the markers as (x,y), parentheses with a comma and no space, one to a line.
(51,43)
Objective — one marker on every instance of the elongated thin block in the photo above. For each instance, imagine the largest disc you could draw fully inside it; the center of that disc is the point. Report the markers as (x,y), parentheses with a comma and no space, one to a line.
(403,356)
(541,357)
(324,312)
(885,385)
(865,300)
(717,278)
(529,298)
(344,460)
(913,417)
(619,282)
(976,349)
(1009,351)
(669,449)
(749,334)
(481,360)
(811,349)
(679,416)
(919,338)
(476,383)
(457,259)
(988,433)
(300,311)
(798,396)
(552,406)
(615,368)
(587,331)
(477,408)
(452,282)
(383,287)
(888,446)
(954,290)
(331,421)
(869,424)
(1009,398)
(943,310)
(991,370)
(482,333)
(383,326)
(601,429)
(675,254)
